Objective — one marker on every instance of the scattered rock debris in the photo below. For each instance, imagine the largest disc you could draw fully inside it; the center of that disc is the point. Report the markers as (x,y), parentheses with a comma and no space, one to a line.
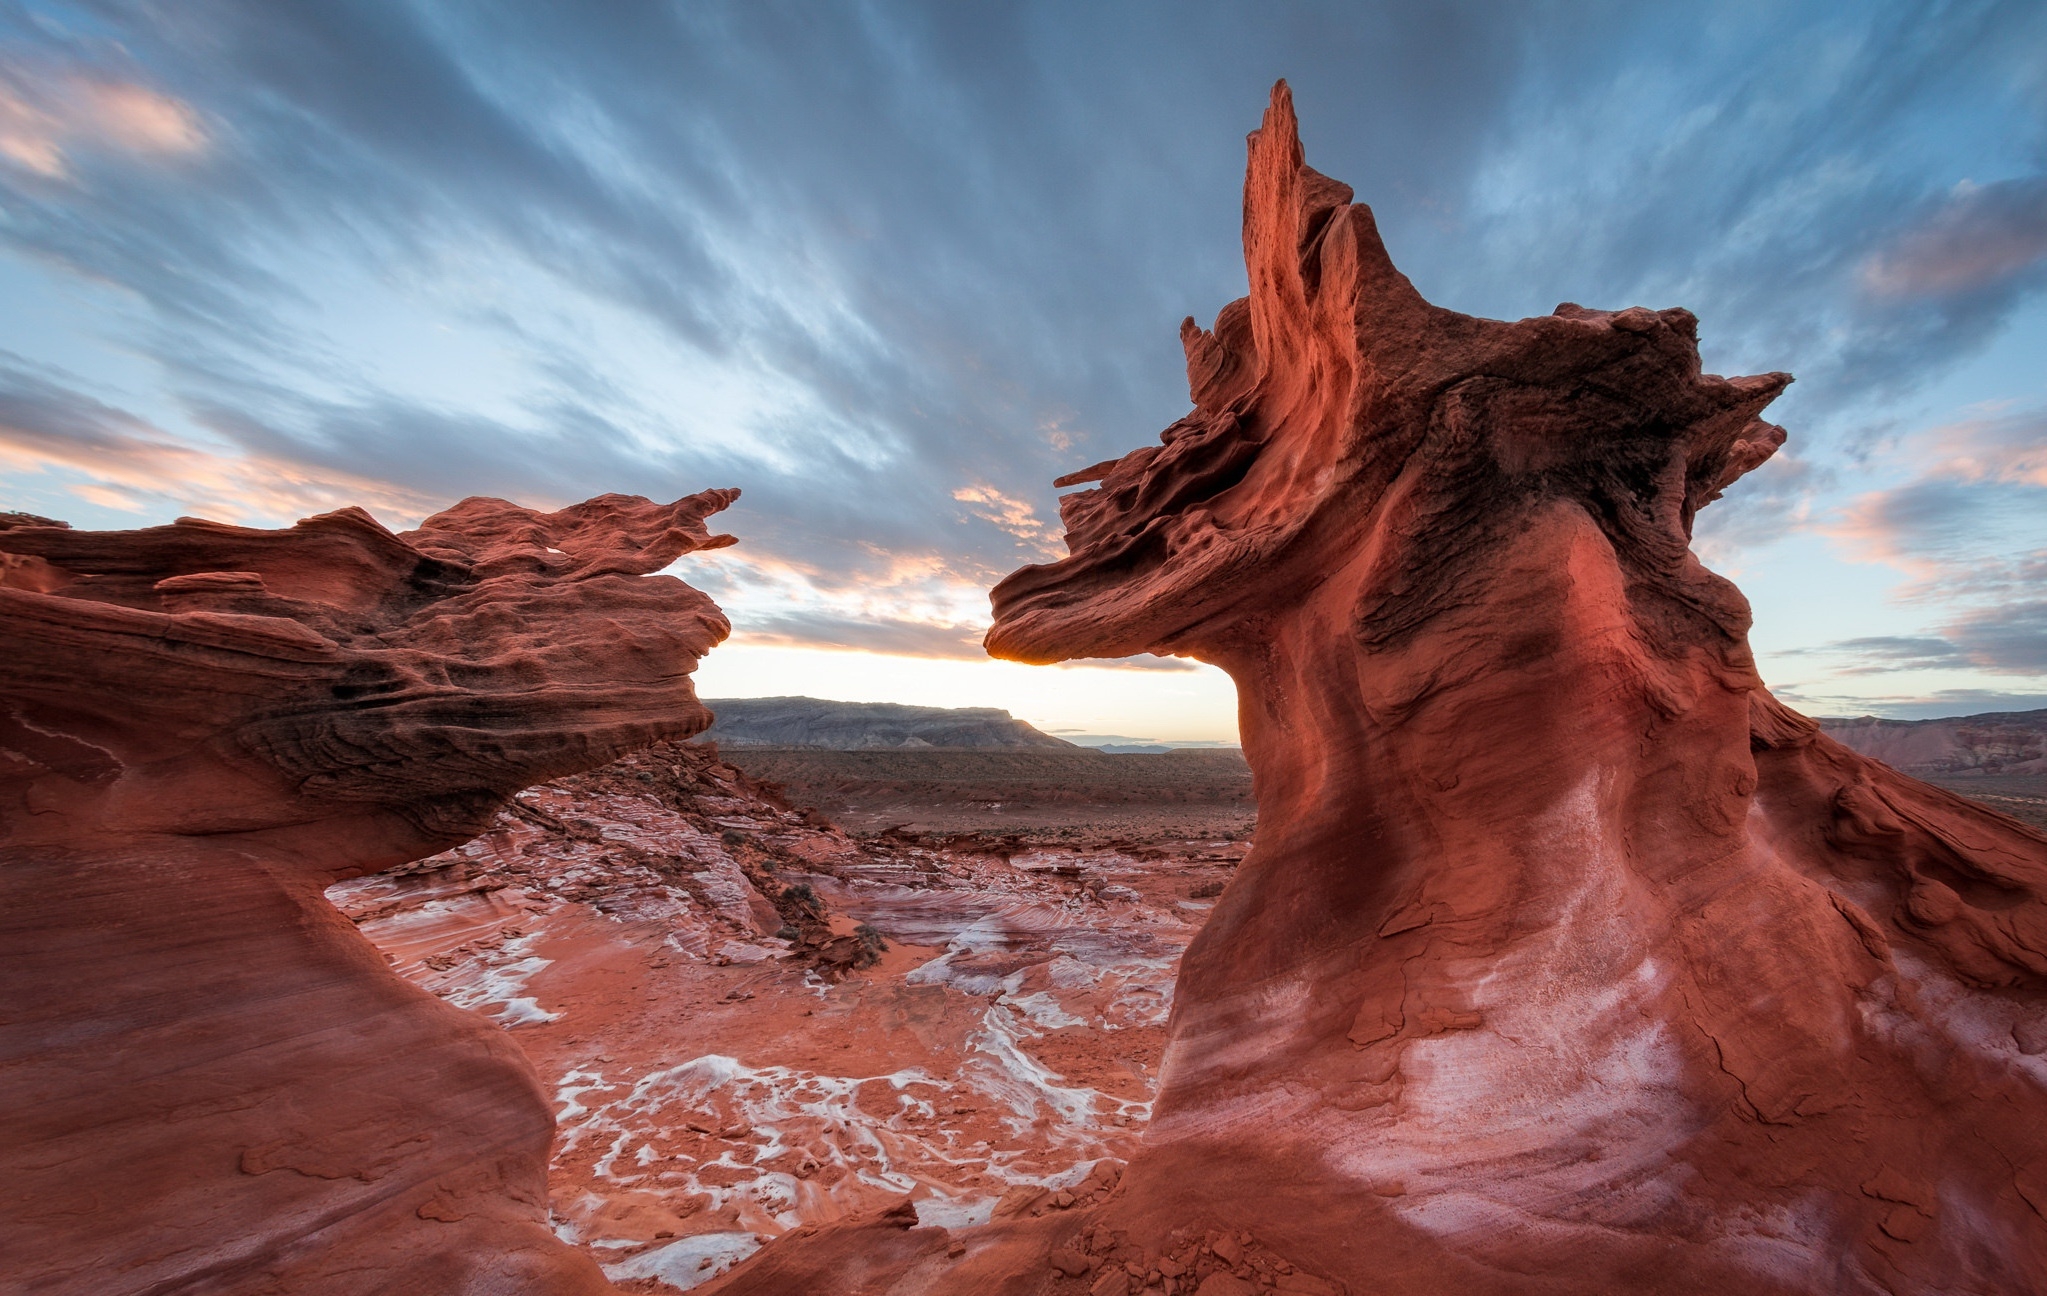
(1212,1262)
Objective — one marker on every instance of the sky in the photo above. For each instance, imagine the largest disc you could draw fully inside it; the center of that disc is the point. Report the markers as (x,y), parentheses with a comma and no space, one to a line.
(892,267)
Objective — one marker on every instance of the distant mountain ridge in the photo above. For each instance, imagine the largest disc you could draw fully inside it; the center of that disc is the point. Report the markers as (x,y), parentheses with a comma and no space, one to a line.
(2002,742)
(1998,742)
(869,726)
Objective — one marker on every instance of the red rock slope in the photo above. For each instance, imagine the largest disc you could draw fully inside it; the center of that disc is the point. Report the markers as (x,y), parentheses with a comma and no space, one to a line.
(212,1082)
(1700,1000)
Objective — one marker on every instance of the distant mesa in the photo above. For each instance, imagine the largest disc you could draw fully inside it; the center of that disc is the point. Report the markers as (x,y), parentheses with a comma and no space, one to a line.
(213,1082)
(1127,745)
(1998,742)
(869,726)
(2006,742)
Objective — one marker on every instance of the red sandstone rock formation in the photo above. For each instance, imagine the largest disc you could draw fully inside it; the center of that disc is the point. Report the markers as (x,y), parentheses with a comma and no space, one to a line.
(212,1082)
(1566,959)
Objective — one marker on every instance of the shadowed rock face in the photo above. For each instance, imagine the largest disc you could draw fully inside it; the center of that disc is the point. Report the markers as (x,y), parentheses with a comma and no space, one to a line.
(1566,958)
(212,1082)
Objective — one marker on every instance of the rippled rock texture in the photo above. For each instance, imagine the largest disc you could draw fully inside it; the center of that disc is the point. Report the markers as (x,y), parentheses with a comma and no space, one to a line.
(1566,958)
(213,1082)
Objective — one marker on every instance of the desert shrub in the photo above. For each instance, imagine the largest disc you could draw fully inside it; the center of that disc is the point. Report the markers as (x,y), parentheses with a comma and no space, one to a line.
(872,946)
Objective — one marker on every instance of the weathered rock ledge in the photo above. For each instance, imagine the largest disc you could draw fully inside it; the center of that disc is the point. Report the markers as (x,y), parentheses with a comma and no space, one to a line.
(213,1082)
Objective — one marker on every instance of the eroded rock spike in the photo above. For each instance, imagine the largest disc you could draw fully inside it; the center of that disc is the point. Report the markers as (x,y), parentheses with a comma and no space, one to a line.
(1566,957)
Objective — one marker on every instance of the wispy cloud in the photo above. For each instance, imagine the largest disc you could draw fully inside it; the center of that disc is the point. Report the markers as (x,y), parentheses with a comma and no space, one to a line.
(865,634)
(44,119)
(1975,493)
(128,464)
(2001,639)
(1984,236)
(1011,515)
(891,268)
(1883,653)
(2009,448)
(1958,526)
(2009,638)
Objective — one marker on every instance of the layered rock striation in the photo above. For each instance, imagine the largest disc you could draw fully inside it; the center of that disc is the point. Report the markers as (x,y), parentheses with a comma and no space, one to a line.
(212,1082)
(1667,991)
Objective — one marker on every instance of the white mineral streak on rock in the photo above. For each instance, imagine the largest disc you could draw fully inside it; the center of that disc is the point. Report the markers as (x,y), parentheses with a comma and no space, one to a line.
(1562,1040)
(1569,1079)
(687,1262)
(775,1146)
(496,991)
